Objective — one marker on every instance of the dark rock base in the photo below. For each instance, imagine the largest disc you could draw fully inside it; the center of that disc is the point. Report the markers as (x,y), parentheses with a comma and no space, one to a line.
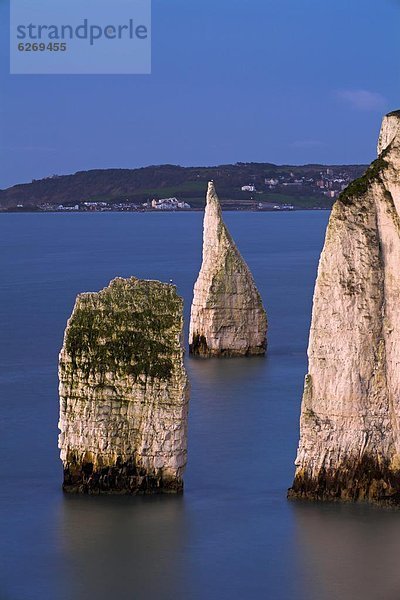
(122,479)
(200,348)
(368,480)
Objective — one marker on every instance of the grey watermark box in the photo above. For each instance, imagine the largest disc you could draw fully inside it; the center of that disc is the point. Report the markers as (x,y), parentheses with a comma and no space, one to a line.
(80,37)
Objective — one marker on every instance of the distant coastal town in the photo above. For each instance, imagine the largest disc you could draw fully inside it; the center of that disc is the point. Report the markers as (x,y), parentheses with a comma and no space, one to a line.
(244,186)
(162,204)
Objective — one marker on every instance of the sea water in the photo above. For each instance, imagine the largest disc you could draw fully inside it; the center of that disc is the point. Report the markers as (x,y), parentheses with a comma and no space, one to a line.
(233,534)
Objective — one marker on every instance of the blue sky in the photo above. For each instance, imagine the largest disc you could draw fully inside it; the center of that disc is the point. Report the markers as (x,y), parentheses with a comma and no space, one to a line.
(290,81)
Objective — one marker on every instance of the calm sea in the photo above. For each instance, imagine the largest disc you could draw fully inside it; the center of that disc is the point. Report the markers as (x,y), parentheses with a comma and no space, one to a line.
(233,535)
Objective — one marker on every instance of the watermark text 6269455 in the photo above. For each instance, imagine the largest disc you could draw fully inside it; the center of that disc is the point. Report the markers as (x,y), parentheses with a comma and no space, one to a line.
(76,37)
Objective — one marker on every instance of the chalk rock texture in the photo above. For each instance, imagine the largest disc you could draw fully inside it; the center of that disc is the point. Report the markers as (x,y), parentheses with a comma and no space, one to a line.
(227,315)
(124,391)
(350,417)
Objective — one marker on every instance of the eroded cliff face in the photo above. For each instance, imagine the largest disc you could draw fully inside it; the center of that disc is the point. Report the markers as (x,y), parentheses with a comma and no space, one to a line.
(350,417)
(124,391)
(227,315)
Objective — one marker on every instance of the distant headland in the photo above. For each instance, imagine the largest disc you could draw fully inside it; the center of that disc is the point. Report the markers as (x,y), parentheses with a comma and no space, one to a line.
(242,186)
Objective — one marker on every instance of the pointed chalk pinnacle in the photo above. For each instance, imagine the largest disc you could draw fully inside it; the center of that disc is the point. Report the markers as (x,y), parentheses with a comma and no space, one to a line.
(227,316)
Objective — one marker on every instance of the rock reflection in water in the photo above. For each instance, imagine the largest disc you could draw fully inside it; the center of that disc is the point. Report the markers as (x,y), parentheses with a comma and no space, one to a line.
(133,550)
(340,549)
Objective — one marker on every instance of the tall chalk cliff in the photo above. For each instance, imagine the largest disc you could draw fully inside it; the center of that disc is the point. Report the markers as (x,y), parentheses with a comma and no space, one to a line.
(227,316)
(350,417)
(124,391)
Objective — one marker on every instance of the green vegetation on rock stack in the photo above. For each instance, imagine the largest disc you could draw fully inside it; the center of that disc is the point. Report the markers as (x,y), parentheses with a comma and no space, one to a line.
(361,185)
(118,329)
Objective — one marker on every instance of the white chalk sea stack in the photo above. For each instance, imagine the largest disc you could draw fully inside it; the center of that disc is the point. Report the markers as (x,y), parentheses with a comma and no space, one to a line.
(124,391)
(227,314)
(350,417)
